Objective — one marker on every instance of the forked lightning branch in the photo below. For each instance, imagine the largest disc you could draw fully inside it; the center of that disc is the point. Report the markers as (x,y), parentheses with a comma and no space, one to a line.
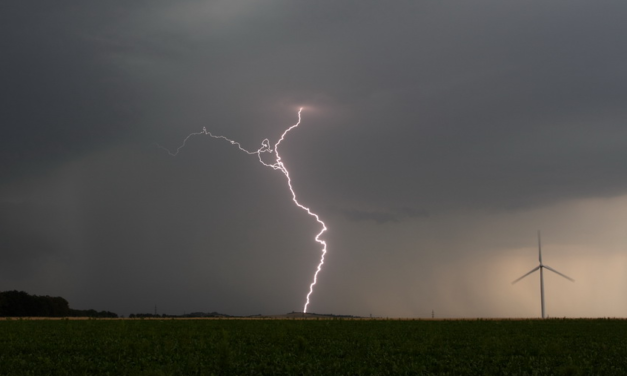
(277,165)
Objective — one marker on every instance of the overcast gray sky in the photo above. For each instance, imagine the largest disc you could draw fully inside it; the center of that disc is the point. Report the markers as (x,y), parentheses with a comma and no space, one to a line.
(437,138)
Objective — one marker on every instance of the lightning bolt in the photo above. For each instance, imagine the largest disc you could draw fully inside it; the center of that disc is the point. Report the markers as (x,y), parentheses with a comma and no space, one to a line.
(277,165)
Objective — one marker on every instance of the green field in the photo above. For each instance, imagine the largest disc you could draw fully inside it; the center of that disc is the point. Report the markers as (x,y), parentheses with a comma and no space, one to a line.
(313,347)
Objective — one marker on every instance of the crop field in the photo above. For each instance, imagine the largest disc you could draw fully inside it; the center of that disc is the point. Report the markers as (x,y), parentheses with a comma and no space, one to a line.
(313,347)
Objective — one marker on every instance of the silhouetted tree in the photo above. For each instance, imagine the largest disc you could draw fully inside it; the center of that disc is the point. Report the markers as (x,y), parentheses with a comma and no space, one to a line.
(21,304)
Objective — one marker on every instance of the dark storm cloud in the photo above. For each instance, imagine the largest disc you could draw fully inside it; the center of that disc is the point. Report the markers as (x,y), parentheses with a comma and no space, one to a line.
(470,105)
(416,114)
(59,98)
(20,241)
(32,238)
(517,113)
(462,97)
(381,217)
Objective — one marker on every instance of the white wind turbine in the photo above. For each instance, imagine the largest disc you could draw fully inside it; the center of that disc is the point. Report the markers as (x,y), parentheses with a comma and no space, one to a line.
(542,266)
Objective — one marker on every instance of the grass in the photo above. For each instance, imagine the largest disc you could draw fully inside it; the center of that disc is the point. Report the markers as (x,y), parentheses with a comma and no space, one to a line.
(313,347)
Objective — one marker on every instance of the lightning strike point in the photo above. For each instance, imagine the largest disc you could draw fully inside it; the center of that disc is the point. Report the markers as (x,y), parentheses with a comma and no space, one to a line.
(277,165)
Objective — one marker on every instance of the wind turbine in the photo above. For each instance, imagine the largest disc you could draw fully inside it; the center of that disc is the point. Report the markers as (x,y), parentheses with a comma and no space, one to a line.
(542,266)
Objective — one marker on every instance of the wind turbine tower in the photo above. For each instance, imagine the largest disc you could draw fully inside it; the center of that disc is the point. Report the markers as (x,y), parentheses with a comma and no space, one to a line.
(541,267)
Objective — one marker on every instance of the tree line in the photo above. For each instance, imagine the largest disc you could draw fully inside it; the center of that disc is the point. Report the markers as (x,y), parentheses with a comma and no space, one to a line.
(21,304)
(186,315)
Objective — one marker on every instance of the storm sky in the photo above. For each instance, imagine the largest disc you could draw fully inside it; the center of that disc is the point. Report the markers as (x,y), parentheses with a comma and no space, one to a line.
(437,138)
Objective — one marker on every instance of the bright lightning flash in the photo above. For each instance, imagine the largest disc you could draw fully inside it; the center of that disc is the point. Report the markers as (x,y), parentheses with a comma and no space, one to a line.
(277,165)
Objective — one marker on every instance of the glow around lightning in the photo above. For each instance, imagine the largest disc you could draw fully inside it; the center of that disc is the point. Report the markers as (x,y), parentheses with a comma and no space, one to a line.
(277,165)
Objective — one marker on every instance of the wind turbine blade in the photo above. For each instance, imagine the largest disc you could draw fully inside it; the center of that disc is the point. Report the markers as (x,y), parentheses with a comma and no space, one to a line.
(539,248)
(532,270)
(555,271)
